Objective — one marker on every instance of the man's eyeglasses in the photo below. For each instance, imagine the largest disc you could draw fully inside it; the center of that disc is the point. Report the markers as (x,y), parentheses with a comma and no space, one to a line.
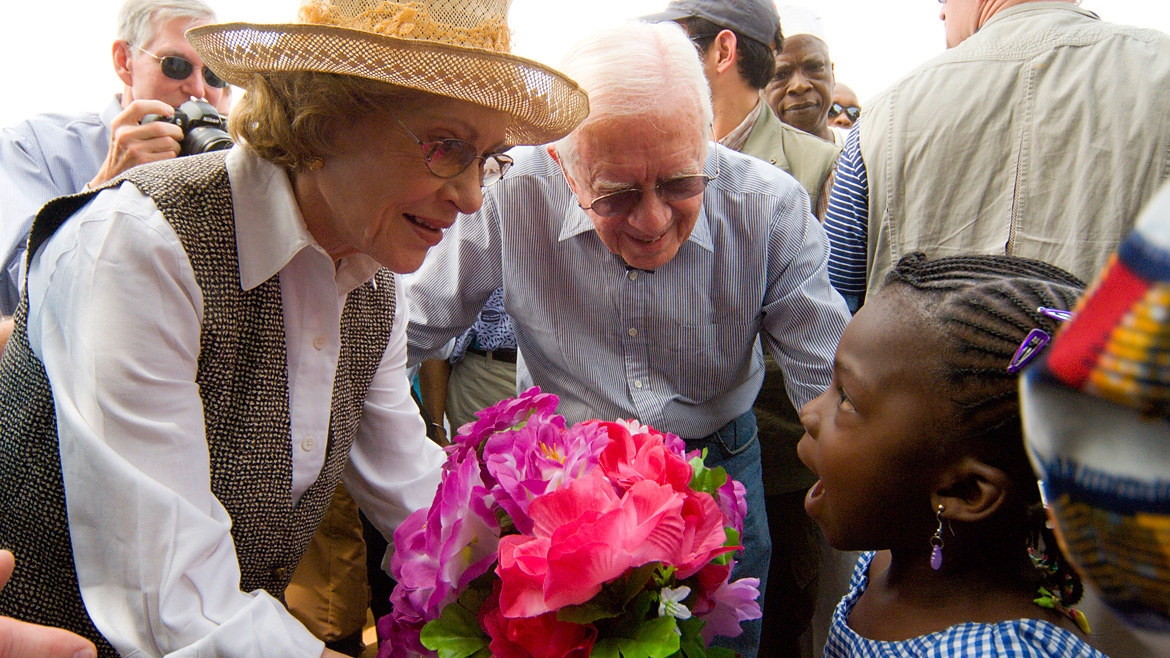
(670,190)
(178,68)
(447,158)
(854,113)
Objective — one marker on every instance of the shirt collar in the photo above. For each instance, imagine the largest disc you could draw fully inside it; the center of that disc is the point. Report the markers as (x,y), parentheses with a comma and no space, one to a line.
(270,230)
(578,221)
(736,139)
(113,109)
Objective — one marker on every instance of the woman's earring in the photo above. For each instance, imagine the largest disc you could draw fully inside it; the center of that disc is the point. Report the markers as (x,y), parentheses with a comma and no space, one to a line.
(937,542)
(316,163)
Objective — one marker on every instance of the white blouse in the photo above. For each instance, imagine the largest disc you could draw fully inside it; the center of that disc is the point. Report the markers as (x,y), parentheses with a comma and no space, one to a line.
(115,314)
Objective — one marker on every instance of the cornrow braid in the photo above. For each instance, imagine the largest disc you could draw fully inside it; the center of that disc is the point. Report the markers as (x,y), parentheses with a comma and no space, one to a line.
(984,306)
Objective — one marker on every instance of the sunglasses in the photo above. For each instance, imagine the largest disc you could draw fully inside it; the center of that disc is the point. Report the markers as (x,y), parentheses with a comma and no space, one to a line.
(178,68)
(854,113)
(671,190)
(447,158)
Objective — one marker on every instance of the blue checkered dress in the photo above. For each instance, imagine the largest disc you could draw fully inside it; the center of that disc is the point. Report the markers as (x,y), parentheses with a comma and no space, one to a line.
(1019,638)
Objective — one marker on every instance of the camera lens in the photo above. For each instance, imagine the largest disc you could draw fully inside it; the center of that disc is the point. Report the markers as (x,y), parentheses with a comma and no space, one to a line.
(204,139)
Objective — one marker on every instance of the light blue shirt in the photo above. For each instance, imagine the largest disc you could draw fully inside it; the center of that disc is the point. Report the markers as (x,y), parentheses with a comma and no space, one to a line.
(676,348)
(42,158)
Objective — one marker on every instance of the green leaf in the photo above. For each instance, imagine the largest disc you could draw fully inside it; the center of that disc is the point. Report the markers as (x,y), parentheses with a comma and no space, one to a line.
(456,633)
(655,638)
(691,642)
(707,479)
(613,599)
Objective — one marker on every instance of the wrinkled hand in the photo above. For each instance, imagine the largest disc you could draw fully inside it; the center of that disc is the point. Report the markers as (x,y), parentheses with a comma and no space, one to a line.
(132,143)
(21,640)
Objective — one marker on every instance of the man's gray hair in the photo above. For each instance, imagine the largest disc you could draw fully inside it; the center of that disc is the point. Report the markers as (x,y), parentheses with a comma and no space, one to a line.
(139,20)
(637,69)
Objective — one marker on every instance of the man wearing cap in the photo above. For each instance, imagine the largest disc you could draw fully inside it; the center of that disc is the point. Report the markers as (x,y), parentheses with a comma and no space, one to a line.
(51,155)
(643,267)
(1011,142)
(736,40)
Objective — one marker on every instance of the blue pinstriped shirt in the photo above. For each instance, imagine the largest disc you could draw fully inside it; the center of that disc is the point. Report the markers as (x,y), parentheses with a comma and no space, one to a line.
(847,223)
(676,348)
(42,158)
(1017,638)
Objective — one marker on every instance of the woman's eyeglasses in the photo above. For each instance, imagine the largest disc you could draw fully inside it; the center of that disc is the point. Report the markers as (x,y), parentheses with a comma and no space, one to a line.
(854,113)
(671,190)
(178,68)
(447,158)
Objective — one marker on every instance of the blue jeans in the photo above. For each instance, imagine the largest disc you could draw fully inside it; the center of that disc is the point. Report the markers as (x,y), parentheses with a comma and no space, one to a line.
(736,447)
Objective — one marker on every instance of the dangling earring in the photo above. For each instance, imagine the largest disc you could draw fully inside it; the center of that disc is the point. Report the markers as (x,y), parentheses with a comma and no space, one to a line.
(937,542)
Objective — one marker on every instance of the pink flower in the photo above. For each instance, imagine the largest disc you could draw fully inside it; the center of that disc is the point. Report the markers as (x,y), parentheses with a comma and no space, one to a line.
(647,455)
(537,459)
(534,637)
(585,536)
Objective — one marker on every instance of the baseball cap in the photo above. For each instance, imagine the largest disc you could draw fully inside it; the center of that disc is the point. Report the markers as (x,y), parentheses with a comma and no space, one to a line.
(754,19)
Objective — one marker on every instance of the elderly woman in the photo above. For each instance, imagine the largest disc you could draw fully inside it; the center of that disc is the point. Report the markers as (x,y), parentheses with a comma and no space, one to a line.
(208,345)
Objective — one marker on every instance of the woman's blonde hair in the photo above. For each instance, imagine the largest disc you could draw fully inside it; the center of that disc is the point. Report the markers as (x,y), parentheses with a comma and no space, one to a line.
(290,118)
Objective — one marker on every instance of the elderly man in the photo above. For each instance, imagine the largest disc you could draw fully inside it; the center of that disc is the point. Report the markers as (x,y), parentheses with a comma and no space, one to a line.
(53,155)
(736,40)
(1011,142)
(801,89)
(642,266)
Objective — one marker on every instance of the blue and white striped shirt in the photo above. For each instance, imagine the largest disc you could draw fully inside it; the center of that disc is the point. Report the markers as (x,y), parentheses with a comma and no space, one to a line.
(847,223)
(42,158)
(1015,638)
(676,348)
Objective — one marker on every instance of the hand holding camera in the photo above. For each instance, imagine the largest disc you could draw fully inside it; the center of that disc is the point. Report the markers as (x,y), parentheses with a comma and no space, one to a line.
(151,130)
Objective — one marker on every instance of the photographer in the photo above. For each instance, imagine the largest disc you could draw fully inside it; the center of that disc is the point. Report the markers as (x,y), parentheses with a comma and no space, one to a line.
(51,155)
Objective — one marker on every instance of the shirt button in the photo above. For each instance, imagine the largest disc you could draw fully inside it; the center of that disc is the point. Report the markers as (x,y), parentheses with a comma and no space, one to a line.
(633,274)
(308,444)
(319,343)
(637,383)
(633,332)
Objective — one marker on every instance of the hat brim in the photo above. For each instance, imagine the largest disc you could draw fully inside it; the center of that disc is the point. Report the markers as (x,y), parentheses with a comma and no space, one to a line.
(544,104)
(665,16)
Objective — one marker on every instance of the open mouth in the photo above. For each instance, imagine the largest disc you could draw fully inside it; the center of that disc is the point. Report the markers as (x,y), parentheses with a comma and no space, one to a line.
(814,499)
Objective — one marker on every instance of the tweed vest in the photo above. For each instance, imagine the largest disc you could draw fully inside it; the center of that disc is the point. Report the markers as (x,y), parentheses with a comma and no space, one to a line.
(243,383)
(1017,142)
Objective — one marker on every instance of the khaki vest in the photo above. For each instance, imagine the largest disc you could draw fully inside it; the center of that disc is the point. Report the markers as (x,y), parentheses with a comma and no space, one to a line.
(1042,136)
(243,382)
(808,159)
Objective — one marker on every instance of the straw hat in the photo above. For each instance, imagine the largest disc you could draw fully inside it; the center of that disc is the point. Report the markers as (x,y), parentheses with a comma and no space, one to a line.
(453,48)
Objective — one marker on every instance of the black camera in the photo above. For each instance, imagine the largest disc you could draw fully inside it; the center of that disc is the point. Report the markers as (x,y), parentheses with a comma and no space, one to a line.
(204,128)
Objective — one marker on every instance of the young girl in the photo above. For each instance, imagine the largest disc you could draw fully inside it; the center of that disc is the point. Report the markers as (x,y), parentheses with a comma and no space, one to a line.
(918,447)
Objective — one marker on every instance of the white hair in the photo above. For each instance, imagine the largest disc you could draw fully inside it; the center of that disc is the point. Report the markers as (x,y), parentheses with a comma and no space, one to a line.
(647,70)
(140,20)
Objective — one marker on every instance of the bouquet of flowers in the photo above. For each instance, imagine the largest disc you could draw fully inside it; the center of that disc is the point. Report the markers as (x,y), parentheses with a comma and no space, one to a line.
(604,539)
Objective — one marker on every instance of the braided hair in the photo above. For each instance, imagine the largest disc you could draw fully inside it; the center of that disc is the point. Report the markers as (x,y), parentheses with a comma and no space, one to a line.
(983,307)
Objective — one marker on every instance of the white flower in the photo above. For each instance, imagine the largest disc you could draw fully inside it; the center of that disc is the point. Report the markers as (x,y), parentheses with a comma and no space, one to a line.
(671,603)
(633,426)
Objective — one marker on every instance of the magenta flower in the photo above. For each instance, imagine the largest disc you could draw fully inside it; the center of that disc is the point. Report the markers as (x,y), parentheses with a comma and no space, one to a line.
(440,550)
(732,498)
(537,459)
(732,603)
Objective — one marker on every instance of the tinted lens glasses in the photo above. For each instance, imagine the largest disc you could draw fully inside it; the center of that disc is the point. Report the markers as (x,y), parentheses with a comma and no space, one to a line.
(178,68)
(447,158)
(854,113)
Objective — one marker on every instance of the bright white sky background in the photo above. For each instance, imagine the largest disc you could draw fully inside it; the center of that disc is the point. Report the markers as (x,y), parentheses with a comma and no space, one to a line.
(56,53)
